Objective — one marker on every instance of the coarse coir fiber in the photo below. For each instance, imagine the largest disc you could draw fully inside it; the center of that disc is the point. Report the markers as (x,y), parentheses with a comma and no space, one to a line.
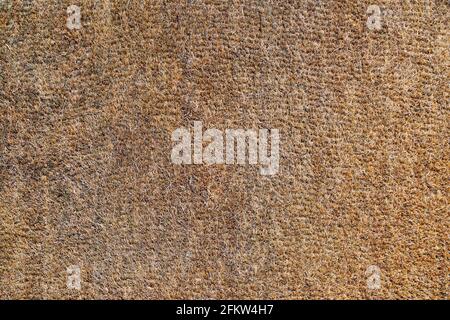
(86,178)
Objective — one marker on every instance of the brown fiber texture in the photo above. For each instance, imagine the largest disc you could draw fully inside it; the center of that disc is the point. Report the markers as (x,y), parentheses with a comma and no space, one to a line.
(86,178)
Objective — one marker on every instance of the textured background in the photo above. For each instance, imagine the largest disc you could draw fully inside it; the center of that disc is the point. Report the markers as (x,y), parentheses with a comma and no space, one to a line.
(85,172)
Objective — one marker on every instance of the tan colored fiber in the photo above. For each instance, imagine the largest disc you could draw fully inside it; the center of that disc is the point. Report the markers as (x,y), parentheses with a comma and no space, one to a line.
(86,178)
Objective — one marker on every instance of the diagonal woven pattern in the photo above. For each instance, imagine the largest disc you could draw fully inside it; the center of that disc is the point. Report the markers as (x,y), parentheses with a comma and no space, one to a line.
(86,179)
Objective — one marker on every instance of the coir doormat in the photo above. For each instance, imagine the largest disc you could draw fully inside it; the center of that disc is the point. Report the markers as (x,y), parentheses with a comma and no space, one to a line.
(210,149)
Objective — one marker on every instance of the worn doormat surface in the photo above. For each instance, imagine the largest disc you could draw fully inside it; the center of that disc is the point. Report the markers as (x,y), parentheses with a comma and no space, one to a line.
(338,188)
